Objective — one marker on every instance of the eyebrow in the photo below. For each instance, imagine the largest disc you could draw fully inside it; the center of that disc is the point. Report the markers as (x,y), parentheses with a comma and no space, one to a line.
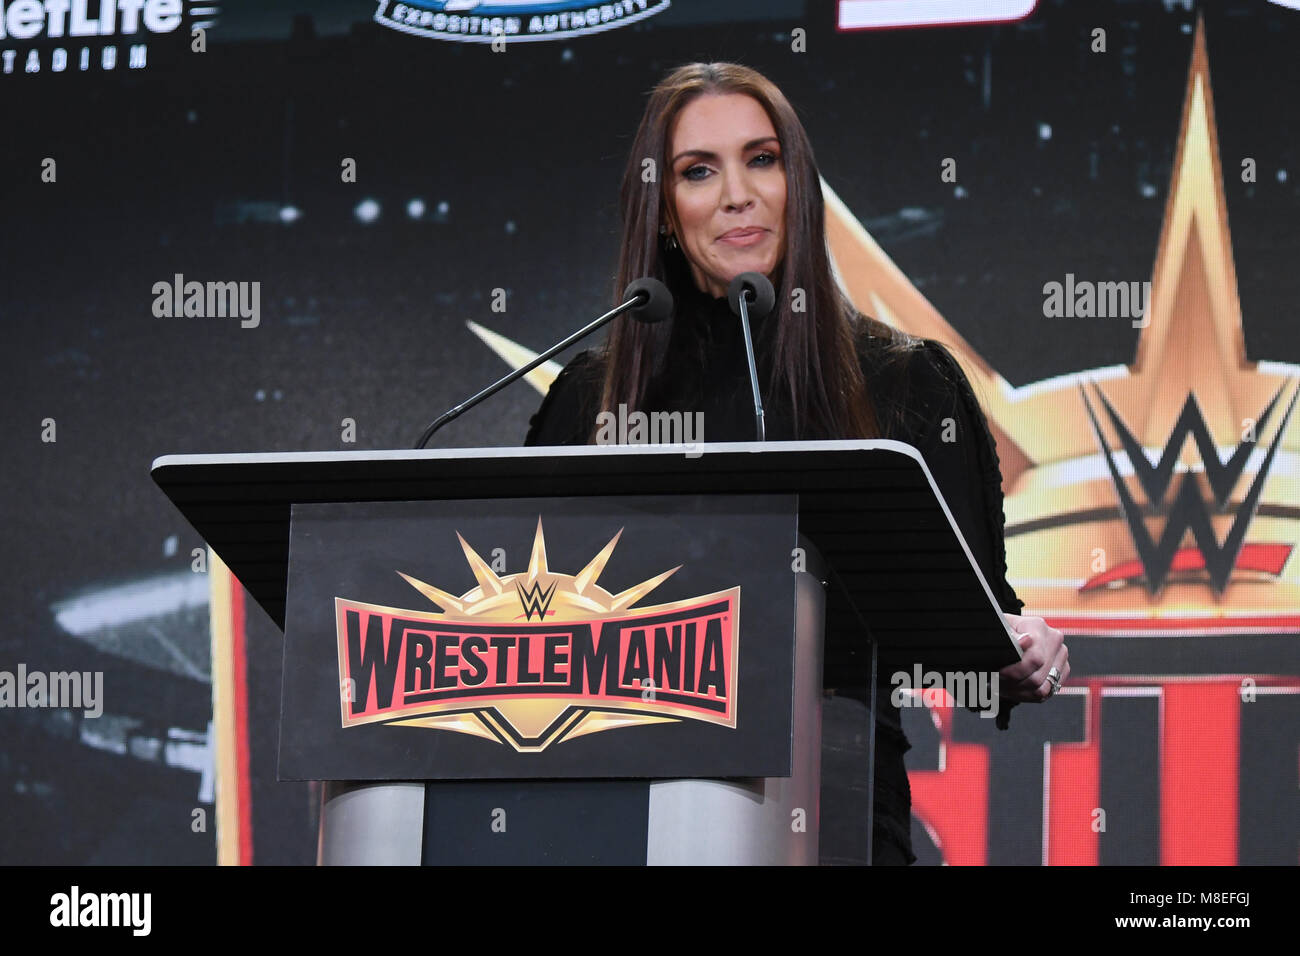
(707,154)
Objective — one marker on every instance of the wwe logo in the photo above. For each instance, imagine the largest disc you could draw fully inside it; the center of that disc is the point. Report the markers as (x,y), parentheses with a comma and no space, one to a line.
(535,599)
(1188,511)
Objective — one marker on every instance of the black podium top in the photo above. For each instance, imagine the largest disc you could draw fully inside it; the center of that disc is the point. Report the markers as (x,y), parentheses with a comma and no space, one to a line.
(899,565)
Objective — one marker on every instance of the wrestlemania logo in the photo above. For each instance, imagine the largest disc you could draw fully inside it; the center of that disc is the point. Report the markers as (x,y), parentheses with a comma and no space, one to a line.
(482,21)
(537,657)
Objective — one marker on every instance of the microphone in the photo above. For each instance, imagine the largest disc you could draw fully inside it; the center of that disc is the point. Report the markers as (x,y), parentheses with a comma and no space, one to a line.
(750,293)
(646,300)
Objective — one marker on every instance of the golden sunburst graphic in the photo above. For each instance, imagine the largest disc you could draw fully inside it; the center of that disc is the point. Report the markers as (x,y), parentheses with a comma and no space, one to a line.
(511,597)
(1068,521)
(1081,551)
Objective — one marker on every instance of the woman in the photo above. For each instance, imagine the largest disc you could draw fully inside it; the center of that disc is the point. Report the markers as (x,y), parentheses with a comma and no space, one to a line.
(721,180)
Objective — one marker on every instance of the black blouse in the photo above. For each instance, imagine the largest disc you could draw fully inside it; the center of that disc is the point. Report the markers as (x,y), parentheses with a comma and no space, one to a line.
(916,387)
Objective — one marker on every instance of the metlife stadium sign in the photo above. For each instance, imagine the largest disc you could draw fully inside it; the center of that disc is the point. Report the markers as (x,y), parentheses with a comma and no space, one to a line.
(483,21)
(58,36)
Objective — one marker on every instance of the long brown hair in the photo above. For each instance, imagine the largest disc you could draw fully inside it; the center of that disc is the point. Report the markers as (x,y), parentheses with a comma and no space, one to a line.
(813,360)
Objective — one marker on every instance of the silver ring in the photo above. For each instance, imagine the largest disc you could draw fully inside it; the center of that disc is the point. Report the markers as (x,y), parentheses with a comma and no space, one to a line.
(1054,678)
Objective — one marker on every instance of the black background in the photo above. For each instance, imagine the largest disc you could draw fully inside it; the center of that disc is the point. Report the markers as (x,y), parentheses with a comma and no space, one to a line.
(368,322)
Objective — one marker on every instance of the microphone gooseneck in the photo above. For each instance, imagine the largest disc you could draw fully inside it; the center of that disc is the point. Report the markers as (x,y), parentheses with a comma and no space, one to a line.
(750,293)
(646,300)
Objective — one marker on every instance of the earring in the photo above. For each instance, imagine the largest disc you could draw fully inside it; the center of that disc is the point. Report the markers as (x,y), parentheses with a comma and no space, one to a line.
(672,242)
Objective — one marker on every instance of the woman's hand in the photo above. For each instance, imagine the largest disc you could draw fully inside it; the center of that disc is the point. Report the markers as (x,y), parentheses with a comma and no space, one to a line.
(1044,648)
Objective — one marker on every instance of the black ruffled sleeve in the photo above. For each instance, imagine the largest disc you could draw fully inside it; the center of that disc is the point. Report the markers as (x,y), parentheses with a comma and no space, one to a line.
(567,415)
(952,434)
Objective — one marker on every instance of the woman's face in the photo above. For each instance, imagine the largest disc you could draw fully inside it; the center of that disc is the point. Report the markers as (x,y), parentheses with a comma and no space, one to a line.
(726,189)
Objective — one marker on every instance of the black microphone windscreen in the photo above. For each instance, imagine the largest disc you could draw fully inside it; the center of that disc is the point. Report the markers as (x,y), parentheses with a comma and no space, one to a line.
(761,298)
(658,304)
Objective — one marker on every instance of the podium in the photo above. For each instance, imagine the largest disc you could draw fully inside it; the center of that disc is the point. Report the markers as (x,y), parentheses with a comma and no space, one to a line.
(599,654)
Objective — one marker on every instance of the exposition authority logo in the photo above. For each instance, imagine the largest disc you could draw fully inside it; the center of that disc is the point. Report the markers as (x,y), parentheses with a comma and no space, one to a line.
(482,21)
(536,657)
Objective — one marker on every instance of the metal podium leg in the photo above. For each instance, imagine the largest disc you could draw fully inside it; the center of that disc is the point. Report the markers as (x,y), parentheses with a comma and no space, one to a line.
(370,824)
(769,820)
